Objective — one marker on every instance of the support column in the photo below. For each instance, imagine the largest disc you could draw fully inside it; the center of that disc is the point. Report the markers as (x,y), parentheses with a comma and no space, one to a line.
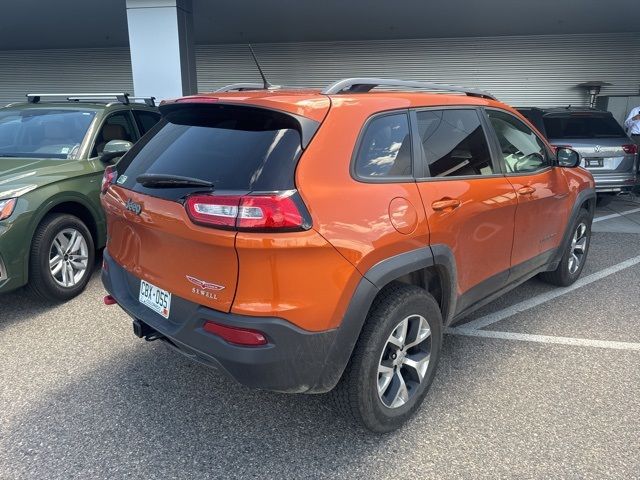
(162,48)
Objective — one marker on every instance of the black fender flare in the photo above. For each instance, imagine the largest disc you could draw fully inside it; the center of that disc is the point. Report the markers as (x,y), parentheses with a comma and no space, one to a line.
(369,286)
(581,199)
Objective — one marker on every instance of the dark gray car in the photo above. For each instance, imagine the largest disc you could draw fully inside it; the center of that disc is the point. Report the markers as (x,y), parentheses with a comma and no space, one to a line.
(606,150)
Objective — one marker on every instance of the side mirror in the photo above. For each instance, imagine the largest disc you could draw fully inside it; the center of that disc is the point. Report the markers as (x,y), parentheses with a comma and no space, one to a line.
(114,149)
(567,158)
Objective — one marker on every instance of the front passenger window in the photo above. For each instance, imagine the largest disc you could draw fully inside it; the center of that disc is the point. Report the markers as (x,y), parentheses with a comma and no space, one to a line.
(522,151)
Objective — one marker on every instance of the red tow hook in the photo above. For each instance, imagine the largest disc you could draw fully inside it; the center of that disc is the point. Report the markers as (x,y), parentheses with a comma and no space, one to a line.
(109,300)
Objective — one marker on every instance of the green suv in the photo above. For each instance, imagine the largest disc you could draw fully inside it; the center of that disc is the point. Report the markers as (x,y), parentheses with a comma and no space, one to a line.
(52,158)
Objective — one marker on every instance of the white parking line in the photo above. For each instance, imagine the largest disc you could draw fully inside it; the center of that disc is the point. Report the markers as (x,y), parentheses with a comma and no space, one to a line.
(545,297)
(527,337)
(614,215)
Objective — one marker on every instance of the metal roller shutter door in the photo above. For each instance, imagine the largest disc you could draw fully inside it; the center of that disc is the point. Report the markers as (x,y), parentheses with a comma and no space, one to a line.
(526,70)
(86,70)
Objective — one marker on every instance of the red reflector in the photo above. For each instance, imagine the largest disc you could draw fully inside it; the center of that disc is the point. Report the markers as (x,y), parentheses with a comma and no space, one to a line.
(109,300)
(108,178)
(630,149)
(245,337)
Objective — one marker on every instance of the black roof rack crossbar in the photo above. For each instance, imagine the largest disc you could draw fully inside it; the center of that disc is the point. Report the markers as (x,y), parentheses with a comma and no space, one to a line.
(365,84)
(123,98)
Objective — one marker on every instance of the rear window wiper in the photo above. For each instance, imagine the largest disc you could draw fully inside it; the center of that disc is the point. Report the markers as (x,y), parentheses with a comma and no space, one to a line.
(159,180)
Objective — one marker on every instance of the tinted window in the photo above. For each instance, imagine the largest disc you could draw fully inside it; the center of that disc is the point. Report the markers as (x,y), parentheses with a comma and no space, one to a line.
(117,126)
(522,150)
(145,120)
(235,148)
(582,127)
(385,149)
(454,143)
(43,132)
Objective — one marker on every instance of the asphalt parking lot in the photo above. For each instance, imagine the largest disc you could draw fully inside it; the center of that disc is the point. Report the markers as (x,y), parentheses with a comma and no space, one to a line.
(542,383)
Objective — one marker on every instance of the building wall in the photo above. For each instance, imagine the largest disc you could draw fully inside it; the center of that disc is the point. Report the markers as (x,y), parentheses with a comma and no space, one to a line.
(526,70)
(83,70)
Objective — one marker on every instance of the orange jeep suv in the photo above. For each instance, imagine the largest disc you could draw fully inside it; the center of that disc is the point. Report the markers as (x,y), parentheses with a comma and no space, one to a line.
(309,241)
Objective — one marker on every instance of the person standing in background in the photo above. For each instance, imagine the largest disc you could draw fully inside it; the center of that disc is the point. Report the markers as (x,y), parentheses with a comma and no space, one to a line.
(632,124)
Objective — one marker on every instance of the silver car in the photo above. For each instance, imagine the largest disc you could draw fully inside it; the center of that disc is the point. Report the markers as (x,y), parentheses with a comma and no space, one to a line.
(606,150)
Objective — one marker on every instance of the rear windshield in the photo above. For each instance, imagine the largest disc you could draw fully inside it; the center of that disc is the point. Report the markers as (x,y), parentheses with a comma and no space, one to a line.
(235,148)
(582,127)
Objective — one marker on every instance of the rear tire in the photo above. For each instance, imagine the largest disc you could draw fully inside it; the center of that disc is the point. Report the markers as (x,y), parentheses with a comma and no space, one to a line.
(378,360)
(568,271)
(62,258)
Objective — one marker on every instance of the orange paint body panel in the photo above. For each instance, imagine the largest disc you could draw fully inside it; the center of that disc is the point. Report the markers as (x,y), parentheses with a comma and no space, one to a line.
(297,276)
(355,216)
(306,103)
(479,232)
(162,246)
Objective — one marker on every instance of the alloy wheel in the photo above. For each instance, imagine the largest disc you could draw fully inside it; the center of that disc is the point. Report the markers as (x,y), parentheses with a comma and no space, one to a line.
(404,361)
(68,257)
(578,248)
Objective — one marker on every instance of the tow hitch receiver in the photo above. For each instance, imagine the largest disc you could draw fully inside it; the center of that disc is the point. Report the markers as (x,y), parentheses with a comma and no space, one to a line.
(142,330)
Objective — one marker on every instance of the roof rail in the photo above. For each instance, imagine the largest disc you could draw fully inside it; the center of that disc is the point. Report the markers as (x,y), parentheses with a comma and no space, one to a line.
(365,84)
(238,87)
(123,98)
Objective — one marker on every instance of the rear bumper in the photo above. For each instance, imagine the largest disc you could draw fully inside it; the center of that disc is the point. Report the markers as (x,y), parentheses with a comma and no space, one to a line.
(294,360)
(614,182)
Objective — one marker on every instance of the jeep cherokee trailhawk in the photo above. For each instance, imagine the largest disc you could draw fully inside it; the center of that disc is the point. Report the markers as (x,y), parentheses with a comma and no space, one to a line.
(310,241)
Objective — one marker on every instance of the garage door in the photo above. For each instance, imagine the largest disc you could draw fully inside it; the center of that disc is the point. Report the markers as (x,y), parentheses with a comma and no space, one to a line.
(86,70)
(533,70)
(536,70)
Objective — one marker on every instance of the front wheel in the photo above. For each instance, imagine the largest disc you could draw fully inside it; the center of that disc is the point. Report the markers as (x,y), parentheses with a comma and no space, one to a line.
(575,254)
(394,361)
(62,258)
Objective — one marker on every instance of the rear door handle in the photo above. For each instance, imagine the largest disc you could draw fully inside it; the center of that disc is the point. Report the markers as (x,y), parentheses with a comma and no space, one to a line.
(445,204)
(526,190)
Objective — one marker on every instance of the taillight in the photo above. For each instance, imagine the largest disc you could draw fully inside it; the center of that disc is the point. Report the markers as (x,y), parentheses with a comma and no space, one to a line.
(108,178)
(245,337)
(630,149)
(276,211)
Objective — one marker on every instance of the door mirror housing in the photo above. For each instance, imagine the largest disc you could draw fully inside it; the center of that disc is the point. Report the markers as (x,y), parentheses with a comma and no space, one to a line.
(567,157)
(114,149)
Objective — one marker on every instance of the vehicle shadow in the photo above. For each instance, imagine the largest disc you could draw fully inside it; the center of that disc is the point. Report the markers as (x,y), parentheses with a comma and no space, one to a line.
(150,413)
(21,304)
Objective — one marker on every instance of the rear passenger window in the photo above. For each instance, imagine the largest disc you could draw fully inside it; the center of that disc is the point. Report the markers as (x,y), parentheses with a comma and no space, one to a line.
(454,143)
(145,120)
(385,149)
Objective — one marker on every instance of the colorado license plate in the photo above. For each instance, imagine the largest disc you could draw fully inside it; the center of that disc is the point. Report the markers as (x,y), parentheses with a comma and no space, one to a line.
(155,298)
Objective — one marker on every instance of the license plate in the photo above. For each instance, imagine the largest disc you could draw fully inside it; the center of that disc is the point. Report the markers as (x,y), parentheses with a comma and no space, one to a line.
(594,162)
(155,298)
